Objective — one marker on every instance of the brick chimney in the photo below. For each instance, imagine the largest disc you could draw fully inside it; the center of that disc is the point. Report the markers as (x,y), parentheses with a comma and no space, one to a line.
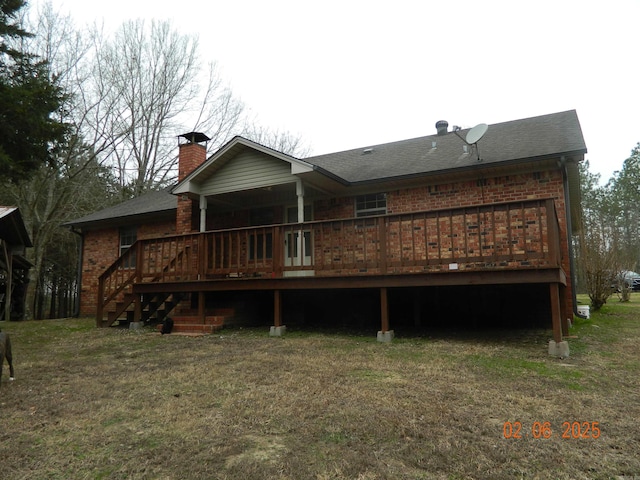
(192,153)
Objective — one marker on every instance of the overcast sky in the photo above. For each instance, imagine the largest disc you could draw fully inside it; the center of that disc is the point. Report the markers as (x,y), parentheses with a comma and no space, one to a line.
(349,73)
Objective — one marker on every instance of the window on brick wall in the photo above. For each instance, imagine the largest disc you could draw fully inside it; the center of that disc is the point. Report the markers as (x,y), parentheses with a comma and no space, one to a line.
(128,236)
(369,205)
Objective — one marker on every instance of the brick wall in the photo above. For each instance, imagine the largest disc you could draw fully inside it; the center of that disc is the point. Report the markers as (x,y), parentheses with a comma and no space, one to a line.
(505,188)
(101,249)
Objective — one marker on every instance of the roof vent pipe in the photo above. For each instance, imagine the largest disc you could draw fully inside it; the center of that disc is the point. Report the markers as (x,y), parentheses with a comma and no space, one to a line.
(442,126)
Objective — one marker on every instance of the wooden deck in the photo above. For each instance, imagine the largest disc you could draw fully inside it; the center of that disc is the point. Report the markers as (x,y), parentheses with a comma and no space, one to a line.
(517,242)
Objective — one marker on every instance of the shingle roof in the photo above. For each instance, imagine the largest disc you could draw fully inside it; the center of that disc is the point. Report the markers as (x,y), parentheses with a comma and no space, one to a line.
(531,138)
(528,139)
(150,204)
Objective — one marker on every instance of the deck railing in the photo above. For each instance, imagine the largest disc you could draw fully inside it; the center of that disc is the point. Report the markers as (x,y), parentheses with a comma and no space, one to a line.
(515,235)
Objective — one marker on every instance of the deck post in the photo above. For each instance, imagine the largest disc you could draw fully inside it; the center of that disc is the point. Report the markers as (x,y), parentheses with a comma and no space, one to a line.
(137,301)
(382,238)
(557,347)
(277,329)
(384,335)
(553,233)
(278,253)
(137,312)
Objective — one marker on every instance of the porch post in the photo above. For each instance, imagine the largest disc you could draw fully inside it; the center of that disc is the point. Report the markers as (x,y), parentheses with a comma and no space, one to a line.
(7,295)
(203,213)
(300,194)
(384,335)
(277,329)
(557,347)
(137,305)
(8,255)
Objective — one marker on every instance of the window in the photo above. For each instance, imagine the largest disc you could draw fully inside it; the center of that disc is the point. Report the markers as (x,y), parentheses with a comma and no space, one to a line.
(369,205)
(128,236)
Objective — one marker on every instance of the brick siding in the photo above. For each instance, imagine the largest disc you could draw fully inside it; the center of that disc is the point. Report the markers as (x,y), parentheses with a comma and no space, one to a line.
(101,249)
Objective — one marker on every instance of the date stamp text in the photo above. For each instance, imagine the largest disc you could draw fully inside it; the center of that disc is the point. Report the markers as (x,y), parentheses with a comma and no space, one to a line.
(544,430)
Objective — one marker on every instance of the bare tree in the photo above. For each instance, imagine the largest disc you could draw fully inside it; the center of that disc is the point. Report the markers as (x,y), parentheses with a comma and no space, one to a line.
(73,183)
(282,141)
(127,98)
(151,82)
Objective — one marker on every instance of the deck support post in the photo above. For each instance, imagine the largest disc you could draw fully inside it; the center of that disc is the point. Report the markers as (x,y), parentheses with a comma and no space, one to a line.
(557,347)
(384,335)
(277,329)
(137,313)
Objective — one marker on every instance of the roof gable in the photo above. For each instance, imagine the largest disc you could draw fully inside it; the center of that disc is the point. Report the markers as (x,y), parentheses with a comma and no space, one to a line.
(245,155)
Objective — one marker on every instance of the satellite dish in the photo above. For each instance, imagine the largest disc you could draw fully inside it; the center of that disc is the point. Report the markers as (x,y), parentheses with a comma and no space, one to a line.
(476,133)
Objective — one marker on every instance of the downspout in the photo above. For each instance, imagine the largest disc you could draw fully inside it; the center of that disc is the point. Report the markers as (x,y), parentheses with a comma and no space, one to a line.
(76,307)
(567,206)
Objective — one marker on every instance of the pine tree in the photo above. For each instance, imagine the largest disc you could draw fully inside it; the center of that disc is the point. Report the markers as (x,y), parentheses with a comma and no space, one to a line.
(29,102)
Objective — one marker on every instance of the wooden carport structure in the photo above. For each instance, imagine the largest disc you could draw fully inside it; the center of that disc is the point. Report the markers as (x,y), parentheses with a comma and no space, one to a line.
(14,267)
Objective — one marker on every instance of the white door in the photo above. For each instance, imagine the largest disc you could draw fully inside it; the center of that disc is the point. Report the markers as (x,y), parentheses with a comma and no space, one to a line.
(296,251)
(297,244)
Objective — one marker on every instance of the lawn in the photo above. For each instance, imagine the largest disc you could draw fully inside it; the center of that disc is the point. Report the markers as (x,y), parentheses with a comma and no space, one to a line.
(131,404)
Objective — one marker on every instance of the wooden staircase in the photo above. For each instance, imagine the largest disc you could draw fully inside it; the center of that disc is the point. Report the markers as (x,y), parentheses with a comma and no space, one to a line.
(154,308)
(190,323)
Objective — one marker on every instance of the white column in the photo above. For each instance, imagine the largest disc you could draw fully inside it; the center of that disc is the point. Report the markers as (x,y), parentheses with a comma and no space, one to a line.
(300,194)
(203,213)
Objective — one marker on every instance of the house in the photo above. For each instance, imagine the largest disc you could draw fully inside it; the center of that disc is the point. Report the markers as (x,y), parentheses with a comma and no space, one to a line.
(14,267)
(427,231)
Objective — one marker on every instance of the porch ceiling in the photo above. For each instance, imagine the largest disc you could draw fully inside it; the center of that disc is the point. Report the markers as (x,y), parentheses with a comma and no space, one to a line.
(283,194)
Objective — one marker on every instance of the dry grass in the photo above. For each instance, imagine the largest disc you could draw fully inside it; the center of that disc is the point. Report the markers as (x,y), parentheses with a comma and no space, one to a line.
(108,403)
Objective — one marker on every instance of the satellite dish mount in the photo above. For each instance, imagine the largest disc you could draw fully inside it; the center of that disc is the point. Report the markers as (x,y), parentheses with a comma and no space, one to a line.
(473,136)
